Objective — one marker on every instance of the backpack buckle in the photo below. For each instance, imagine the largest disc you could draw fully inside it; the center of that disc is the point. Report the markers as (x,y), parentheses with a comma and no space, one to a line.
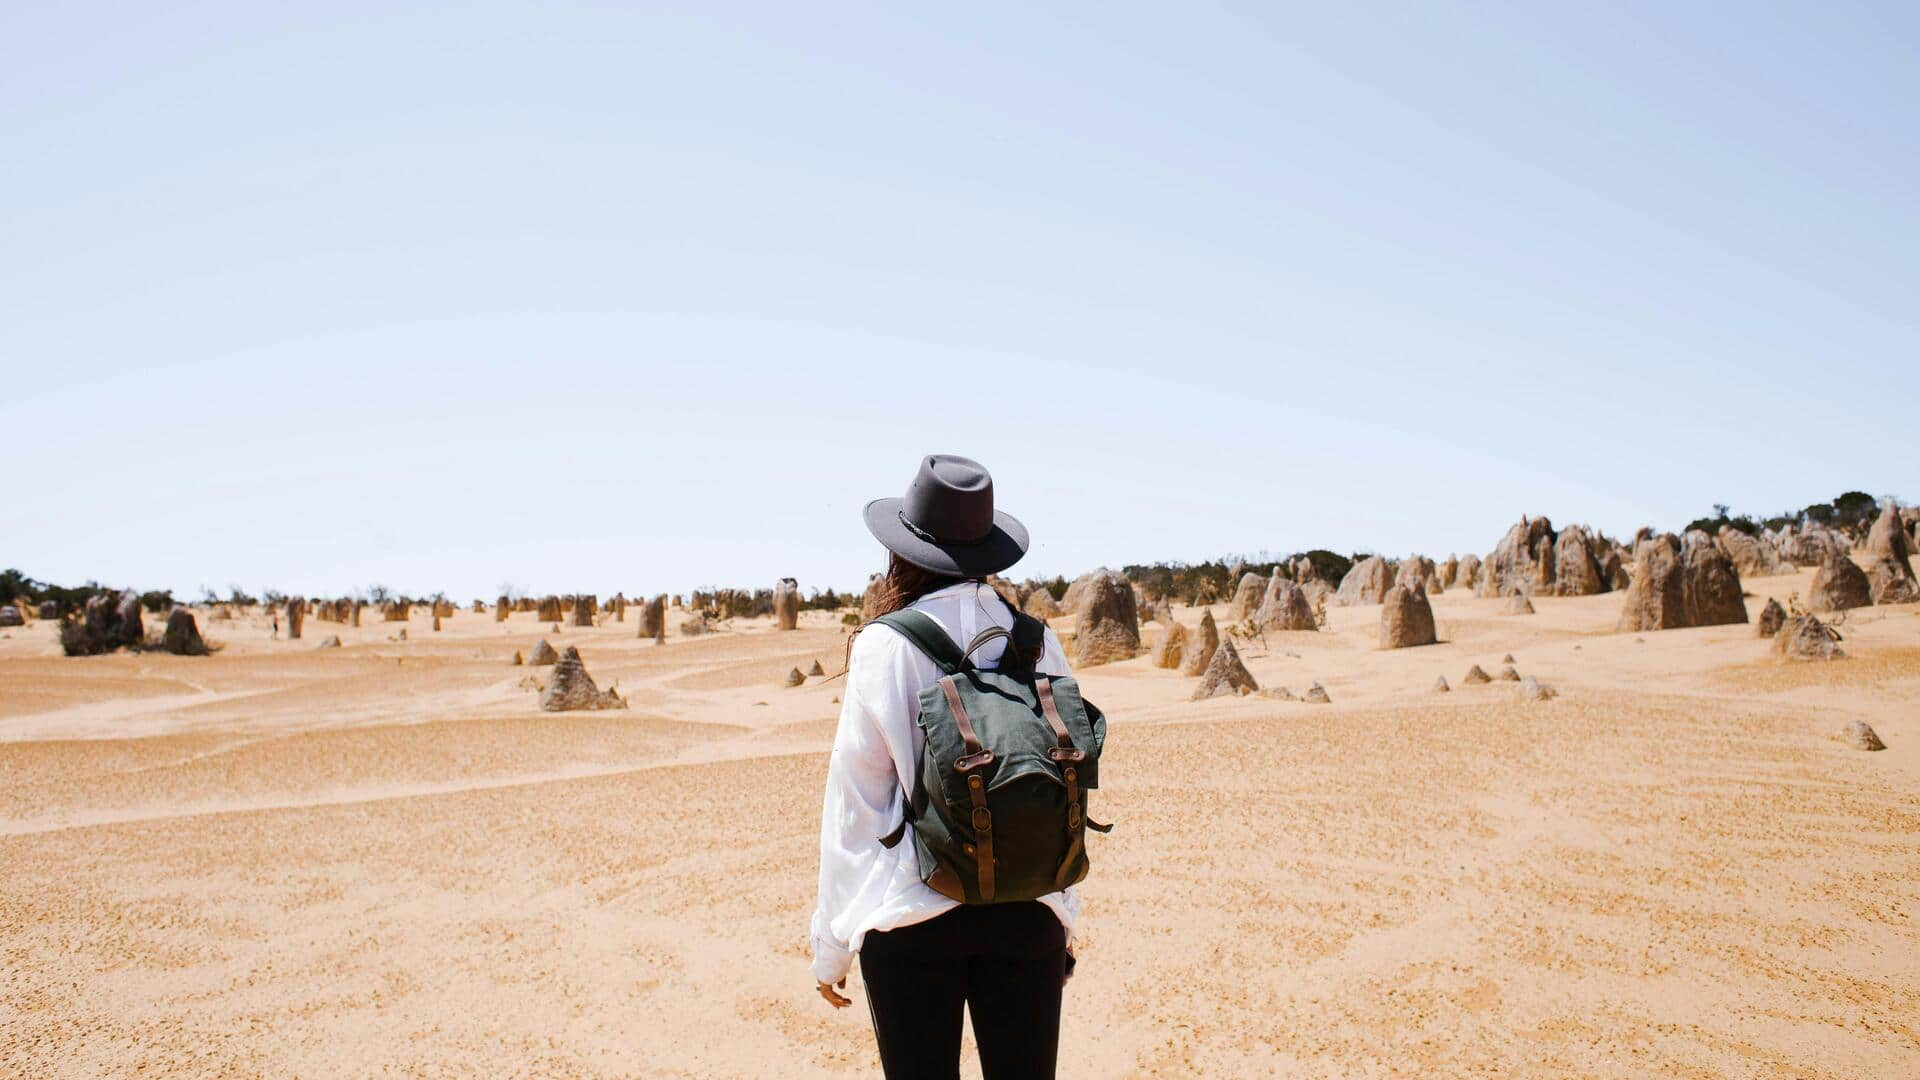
(966,763)
(982,820)
(1066,753)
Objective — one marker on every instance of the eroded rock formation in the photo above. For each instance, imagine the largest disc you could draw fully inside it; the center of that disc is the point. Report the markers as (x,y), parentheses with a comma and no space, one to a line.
(571,688)
(1406,618)
(1366,583)
(786,604)
(1108,627)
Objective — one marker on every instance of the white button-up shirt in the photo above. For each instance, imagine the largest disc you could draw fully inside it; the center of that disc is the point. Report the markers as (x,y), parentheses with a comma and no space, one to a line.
(864,886)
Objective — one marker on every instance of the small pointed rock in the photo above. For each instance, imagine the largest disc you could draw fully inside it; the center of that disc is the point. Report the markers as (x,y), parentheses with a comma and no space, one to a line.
(1476,675)
(518,659)
(572,688)
(1317,695)
(543,654)
(1507,659)
(1508,674)
(1225,674)
(1440,685)
(1772,618)
(816,669)
(1805,637)
(1533,689)
(794,678)
(1860,735)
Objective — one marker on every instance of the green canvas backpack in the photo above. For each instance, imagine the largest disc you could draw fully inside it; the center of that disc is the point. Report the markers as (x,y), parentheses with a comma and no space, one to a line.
(998,806)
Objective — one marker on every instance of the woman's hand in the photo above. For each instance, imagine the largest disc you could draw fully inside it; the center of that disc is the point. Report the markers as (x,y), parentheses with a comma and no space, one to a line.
(838,1001)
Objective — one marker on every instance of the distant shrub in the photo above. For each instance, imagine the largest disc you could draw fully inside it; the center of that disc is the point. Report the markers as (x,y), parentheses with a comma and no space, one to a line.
(828,600)
(1856,508)
(1329,566)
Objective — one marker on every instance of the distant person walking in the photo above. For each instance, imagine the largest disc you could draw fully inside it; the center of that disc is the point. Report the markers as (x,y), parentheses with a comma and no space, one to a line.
(960,730)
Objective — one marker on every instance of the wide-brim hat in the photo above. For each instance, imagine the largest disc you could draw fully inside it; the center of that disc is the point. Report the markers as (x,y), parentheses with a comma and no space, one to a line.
(946,522)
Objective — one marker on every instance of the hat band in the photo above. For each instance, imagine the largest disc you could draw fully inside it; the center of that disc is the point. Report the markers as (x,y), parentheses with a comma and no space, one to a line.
(932,539)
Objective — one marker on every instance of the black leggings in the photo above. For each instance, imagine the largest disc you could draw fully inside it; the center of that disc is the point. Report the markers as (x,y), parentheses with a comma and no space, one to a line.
(1005,962)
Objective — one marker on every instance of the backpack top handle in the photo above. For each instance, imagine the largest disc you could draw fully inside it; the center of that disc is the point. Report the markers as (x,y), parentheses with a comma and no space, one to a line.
(1025,641)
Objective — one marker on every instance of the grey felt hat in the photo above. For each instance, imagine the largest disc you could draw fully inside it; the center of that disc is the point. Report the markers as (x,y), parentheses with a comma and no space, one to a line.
(947,523)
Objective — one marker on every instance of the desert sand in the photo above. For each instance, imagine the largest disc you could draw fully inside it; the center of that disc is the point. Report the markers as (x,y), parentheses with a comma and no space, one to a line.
(382,859)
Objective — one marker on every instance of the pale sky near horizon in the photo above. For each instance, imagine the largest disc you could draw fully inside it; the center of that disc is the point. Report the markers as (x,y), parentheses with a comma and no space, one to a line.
(586,297)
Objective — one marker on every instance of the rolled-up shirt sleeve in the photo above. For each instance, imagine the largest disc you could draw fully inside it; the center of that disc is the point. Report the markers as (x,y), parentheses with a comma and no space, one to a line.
(872,749)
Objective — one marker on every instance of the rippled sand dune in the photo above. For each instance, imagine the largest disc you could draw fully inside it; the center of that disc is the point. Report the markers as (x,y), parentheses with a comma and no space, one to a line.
(383,859)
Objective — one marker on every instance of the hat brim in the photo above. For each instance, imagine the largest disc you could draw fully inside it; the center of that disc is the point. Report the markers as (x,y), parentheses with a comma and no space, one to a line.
(1001,548)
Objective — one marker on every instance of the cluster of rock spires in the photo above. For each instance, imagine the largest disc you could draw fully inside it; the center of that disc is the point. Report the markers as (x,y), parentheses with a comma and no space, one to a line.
(1533,558)
(1840,583)
(1807,547)
(1677,583)
(108,622)
(111,621)
(584,609)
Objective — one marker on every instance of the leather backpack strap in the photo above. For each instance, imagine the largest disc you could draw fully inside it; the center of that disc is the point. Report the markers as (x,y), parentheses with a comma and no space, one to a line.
(968,765)
(1067,756)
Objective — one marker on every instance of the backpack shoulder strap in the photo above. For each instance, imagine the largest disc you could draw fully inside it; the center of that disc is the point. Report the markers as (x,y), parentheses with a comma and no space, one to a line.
(927,636)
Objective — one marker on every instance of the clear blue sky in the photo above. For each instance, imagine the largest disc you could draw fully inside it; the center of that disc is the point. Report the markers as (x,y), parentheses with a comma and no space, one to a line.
(610,296)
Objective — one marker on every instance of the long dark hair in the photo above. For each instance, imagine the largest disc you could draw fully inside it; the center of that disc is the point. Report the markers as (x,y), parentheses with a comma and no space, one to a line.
(901,585)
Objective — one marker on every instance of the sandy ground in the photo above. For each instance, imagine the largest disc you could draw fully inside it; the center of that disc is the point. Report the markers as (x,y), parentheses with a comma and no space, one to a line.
(383,860)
